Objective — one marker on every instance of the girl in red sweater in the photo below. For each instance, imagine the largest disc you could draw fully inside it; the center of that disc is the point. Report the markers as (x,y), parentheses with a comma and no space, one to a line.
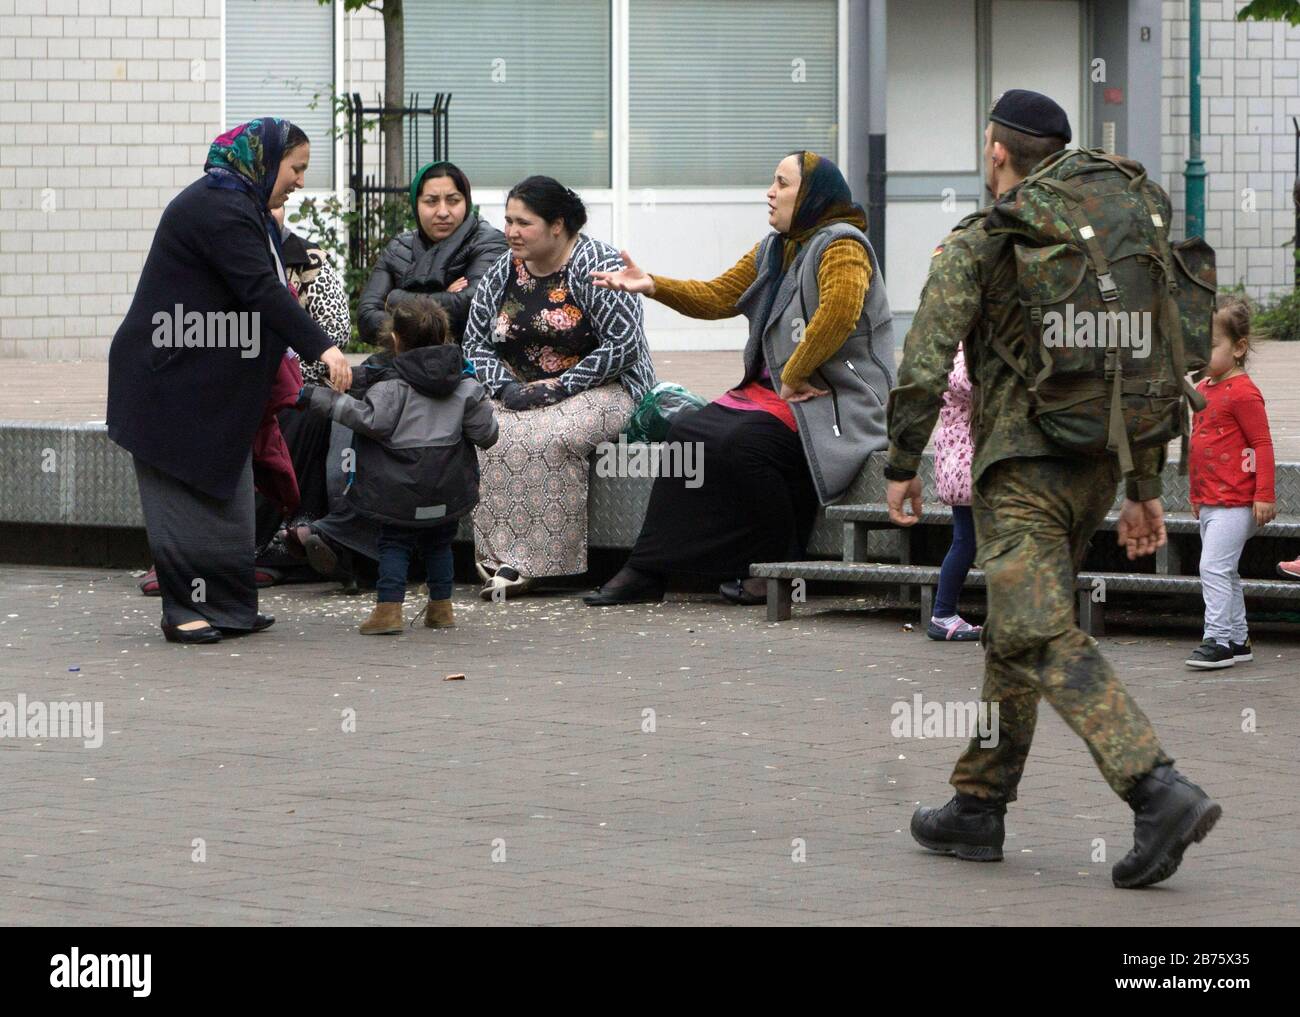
(1230,471)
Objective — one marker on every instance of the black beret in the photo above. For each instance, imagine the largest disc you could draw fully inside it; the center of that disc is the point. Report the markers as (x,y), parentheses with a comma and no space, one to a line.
(1031,113)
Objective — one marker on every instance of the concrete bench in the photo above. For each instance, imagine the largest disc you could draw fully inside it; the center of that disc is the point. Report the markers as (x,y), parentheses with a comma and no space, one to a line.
(1091,588)
(859,520)
(71,475)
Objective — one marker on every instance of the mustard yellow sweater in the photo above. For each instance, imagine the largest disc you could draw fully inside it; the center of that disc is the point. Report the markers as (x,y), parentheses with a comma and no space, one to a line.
(842,281)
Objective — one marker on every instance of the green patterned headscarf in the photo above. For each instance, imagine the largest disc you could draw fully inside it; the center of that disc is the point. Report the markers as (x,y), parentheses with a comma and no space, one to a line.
(248,157)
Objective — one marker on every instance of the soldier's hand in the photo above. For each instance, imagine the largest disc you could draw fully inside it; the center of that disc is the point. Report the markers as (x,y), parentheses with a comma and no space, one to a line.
(1141,527)
(898,491)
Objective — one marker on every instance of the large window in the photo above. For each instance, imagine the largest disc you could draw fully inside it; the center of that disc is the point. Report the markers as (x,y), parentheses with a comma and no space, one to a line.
(530,85)
(934,122)
(280,62)
(720,90)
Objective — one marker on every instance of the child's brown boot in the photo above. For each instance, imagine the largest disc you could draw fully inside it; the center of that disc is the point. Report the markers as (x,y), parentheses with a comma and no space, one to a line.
(385,619)
(437,615)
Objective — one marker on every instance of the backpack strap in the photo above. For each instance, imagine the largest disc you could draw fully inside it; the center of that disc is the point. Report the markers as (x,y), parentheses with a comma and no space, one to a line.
(1012,361)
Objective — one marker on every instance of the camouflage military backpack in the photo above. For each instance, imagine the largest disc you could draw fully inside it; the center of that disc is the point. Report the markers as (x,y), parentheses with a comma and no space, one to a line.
(1116,316)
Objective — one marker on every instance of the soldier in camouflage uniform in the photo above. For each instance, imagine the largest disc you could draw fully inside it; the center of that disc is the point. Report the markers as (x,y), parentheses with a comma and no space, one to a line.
(1036,506)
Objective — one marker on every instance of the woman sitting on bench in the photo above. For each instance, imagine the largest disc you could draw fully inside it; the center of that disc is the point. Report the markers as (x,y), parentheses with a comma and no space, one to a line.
(806,414)
(445,256)
(568,362)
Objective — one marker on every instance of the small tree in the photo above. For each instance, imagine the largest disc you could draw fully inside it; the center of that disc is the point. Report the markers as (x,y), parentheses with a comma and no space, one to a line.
(394,80)
(1271,10)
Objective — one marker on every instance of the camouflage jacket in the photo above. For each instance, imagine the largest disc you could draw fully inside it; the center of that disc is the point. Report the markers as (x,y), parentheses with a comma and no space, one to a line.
(971,294)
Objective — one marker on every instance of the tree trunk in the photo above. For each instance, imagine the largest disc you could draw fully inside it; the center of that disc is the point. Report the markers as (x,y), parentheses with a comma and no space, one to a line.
(394,93)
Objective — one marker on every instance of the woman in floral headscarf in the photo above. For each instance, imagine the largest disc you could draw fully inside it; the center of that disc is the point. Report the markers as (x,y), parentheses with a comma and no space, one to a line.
(805,416)
(192,368)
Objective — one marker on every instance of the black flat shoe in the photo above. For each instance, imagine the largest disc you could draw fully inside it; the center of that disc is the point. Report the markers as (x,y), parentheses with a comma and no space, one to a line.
(733,591)
(628,587)
(260,622)
(206,634)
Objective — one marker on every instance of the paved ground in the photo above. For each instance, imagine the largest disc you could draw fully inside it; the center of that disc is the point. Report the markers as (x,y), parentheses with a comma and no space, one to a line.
(764,736)
(75,390)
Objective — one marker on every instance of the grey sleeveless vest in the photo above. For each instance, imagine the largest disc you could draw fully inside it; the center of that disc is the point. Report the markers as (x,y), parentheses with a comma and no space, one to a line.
(838,431)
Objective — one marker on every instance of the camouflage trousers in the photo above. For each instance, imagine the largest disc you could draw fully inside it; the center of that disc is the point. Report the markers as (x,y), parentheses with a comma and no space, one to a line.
(1033,520)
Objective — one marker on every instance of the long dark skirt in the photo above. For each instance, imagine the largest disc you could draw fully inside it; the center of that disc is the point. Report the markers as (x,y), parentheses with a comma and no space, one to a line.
(756,503)
(194,537)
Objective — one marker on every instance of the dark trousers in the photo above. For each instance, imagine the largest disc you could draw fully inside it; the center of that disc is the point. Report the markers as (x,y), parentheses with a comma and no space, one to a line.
(397,544)
(956,563)
(1033,520)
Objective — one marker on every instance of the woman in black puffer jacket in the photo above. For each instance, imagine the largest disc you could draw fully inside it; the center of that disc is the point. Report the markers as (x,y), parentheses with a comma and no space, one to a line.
(444,257)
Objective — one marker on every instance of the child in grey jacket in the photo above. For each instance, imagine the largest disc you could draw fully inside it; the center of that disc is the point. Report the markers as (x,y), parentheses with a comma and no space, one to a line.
(415,471)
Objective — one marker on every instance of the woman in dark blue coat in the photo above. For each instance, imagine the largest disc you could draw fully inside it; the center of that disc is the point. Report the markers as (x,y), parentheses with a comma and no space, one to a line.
(191,368)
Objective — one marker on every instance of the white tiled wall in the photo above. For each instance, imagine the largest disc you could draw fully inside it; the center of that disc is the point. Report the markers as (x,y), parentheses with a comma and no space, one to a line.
(107,108)
(1250,89)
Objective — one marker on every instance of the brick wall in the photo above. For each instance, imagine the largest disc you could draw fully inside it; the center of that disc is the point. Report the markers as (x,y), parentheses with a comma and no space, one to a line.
(363,53)
(106,109)
(1250,89)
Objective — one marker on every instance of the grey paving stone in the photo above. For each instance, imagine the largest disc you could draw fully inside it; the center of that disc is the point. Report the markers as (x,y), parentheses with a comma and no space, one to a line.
(764,735)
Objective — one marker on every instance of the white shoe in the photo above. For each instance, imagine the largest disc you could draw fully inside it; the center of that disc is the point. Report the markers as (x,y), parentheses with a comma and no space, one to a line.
(507,582)
(486,569)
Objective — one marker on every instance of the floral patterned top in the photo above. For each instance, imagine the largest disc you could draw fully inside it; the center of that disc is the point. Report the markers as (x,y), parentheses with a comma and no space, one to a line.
(541,331)
(953,448)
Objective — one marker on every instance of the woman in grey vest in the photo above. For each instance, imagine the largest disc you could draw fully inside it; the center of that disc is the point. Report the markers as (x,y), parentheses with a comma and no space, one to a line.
(805,416)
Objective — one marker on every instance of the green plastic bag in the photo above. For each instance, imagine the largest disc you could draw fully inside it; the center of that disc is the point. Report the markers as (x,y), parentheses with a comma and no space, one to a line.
(658,409)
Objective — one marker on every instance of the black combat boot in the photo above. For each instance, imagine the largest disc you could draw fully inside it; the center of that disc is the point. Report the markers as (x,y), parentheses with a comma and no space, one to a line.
(968,827)
(1170,813)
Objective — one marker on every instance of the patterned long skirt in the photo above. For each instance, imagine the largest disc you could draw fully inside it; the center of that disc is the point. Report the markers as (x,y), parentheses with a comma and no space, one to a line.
(532,513)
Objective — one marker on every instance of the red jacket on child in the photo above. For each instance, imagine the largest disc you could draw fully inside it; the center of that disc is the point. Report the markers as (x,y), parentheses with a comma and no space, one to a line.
(1230,462)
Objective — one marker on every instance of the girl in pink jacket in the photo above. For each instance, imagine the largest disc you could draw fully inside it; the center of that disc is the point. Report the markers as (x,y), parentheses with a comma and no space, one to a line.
(953,451)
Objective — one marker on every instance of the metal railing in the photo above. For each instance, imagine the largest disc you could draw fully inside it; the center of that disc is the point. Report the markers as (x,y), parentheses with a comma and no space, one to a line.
(381,209)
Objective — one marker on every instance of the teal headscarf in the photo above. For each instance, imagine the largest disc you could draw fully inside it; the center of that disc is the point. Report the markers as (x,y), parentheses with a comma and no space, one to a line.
(417,182)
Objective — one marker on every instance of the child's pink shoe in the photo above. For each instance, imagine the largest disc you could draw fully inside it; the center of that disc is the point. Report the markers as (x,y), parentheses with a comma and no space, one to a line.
(955,629)
(1289,569)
